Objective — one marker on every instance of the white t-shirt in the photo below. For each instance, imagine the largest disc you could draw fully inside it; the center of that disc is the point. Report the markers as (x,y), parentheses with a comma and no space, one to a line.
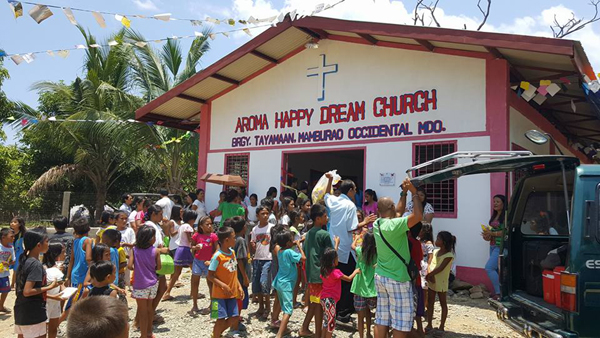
(167,205)
(131,218)
(285,220)
(127,236)
(53,306)
(182,239)
(272,219)
(428,209)
(252,213)
(158,233)
(262,238)
(126,208)
(201,210)
(174,241)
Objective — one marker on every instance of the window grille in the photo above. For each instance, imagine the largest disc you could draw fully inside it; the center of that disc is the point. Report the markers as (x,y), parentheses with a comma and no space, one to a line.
(441,195)
(237,164)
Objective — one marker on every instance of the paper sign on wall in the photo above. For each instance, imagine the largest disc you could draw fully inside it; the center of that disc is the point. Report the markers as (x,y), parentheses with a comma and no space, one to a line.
(387,179)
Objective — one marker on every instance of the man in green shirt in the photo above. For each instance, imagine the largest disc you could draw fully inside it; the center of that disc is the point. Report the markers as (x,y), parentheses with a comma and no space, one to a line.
(394,287)
(232,206)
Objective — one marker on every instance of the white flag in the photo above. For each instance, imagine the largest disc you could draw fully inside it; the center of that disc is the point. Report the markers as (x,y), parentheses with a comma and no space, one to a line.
(80,46)
(212,36)
(95,45)
(63,53)
(247,31)
(225,34)
(198,34)
(99,19)
(49,52)
(29,57)
(163,17)
(113,43)
(69,15)
(141,44)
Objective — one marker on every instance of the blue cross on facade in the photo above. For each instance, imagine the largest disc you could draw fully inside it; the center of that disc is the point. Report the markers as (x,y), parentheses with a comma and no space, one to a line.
(320,72)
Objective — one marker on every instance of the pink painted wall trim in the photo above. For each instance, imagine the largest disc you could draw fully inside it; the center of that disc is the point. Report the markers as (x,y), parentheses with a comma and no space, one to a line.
(497,81)
(204,143)
(340,143)
(536,118)
(474,276)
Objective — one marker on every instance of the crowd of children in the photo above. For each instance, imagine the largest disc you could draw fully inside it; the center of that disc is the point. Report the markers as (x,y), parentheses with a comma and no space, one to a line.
(255,251)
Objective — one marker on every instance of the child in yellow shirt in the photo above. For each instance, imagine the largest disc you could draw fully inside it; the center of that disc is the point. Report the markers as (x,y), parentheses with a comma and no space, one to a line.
(437,276)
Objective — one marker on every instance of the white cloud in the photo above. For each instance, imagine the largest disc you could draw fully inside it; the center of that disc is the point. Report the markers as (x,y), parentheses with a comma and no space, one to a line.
(147,5)
(393,11)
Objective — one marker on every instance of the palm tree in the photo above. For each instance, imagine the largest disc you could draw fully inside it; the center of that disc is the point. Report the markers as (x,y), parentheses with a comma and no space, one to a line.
(155,72)
(103,151)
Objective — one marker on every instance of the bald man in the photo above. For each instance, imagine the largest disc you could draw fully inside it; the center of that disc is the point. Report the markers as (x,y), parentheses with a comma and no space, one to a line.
(394,286)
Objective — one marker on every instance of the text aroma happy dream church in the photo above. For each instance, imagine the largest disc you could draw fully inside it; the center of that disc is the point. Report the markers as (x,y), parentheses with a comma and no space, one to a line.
(373,100)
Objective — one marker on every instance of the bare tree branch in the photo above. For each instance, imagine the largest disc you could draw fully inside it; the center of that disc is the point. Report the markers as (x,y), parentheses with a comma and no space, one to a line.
(431,8)
(485,13)
(418,18)
(560,30)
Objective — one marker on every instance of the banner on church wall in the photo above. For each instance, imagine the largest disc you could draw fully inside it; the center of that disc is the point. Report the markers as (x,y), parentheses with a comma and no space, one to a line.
(332,95)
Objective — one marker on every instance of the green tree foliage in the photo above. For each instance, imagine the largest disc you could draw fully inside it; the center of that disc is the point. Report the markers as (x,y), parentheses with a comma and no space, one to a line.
(155,72)
(101,152)
(5,104)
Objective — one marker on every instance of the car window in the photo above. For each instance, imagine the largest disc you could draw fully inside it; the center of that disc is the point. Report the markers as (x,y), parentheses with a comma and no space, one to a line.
(545,214)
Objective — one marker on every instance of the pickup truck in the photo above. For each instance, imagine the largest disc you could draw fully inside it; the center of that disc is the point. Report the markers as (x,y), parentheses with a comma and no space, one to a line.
(552,222)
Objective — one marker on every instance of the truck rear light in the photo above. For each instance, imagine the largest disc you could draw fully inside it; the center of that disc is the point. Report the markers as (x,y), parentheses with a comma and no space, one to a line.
(568,291)
(539,167)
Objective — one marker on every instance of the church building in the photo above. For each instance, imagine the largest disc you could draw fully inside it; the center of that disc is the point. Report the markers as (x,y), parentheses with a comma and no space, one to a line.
(372,100)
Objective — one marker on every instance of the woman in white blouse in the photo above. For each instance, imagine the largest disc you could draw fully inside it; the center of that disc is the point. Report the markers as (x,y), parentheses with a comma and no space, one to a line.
(406,209)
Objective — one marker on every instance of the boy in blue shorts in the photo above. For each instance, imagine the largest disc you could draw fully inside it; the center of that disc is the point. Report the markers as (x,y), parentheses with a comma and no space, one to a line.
(222,272)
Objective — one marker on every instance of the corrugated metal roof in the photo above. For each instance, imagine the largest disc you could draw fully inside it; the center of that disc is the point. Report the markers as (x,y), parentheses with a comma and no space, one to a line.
(474,48)
(284,43)
(207,88)
(244,67)
(395,39)
(178,108)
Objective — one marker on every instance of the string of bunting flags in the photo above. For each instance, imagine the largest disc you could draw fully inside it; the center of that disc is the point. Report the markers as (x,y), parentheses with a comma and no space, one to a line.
(539,95)
(29,57)
(29,120)
(40,12)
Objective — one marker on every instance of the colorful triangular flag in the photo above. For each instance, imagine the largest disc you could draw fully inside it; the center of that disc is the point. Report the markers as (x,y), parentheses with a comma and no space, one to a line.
(40,13)
(16,7)
(247,31)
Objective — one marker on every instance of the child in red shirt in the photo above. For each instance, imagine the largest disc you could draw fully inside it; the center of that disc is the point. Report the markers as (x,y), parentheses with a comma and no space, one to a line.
(332,286)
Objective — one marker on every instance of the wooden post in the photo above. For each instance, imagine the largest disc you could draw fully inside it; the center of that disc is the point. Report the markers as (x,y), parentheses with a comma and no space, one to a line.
(65,203)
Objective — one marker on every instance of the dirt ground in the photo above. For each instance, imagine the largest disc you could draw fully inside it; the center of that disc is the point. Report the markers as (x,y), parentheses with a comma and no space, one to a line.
(466,318)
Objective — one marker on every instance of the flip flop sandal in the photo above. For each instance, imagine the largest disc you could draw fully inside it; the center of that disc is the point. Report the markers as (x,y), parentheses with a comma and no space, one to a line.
(276,324)
(166,299)
(309,335)
(205,311)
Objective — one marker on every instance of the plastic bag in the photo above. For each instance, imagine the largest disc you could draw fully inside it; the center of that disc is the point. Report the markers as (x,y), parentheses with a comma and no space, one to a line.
(167,266)
(319,192)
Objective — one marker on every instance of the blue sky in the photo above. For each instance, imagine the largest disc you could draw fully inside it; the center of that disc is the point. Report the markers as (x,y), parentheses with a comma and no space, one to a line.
(25,35)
